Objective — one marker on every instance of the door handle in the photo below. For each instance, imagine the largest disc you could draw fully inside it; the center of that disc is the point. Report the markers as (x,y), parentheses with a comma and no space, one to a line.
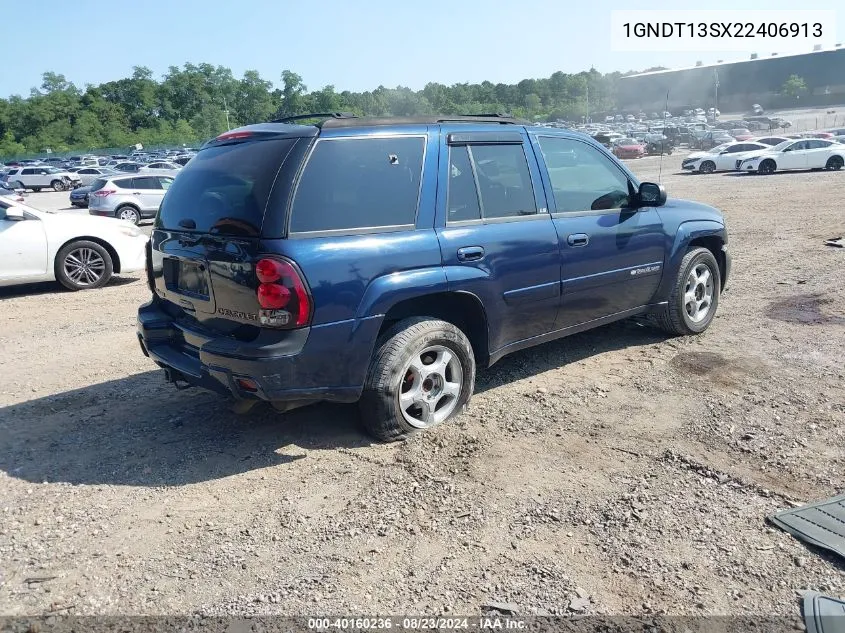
(578,239)
(470,253)
(136,193)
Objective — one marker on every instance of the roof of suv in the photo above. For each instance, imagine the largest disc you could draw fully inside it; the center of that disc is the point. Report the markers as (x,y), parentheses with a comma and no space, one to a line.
(291,126)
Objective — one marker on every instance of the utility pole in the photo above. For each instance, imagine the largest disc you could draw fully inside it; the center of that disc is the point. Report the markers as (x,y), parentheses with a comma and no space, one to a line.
(226,110)
(588,101)
(716,87)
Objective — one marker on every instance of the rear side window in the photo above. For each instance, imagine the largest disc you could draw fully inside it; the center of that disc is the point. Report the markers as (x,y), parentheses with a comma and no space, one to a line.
(503,181)
(488,181)
(224,189)
(358,183)
(124,183)
(148,182)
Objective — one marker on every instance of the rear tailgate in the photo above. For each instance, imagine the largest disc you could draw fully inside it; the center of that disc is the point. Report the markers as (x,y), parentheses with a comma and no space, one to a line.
(207,235)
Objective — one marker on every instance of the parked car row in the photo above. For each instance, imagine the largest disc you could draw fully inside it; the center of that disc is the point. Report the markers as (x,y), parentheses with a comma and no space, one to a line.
(767,155)
(167,159)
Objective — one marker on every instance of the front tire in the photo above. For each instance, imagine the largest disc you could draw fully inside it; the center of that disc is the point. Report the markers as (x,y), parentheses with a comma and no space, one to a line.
(707,167)
(82,265)
(57,185)
(834,163)
(422,373)
(36,189)
(695,295)
(768,166)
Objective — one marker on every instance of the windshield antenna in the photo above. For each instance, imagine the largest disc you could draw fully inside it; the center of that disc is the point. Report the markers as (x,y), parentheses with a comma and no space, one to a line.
(662,141)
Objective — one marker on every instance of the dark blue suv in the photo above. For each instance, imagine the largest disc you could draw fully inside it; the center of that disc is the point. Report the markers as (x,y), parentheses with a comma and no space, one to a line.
(382,260)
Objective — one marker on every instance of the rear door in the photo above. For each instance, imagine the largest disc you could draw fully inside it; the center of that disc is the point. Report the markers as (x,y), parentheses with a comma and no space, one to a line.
(148,191)
(818,151)
(612,255)
(496,236)
(23,244)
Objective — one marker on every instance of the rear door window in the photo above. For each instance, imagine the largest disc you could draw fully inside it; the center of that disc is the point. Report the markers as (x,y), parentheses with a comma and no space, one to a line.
(351,184)
(504,181)
(146,182)
(225,188)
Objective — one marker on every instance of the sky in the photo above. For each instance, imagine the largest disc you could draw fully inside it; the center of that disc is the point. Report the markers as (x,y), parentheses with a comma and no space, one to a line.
(352,45)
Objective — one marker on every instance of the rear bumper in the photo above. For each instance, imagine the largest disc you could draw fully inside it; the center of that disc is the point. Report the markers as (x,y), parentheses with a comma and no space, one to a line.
(324,362)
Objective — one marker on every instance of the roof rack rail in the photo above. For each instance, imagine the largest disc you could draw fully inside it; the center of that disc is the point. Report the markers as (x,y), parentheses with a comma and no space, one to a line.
(491,115)
(481,118)
(317,115)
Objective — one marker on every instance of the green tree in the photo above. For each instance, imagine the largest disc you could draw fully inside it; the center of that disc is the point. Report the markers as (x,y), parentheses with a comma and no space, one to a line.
(794,86)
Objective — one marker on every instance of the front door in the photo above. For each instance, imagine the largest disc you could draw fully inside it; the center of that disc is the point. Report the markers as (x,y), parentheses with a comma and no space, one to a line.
(496,236)
(612,255)
(794,156)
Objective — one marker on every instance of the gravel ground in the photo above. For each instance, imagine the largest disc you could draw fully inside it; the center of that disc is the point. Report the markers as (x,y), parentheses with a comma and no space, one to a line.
(613,472)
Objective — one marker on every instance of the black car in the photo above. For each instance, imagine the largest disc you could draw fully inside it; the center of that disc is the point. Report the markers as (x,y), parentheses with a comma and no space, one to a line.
(79,197)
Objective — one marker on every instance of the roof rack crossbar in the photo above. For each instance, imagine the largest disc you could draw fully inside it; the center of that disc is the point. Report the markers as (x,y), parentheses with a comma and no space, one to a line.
(317,115)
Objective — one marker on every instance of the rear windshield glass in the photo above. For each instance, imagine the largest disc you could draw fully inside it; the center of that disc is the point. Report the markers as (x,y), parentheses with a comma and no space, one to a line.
(98,184)
(224,189)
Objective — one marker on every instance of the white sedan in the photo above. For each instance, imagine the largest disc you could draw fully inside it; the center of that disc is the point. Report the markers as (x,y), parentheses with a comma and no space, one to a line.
(810,153)
(79,251)
(721,157)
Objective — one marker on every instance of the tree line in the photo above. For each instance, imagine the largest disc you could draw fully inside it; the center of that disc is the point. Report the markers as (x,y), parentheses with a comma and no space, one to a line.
(196,102)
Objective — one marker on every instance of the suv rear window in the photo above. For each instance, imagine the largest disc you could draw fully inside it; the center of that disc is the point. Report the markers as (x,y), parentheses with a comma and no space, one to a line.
(224,189)
(358,183)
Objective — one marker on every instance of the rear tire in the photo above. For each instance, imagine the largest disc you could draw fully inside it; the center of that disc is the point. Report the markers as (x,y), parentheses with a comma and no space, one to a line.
(695,295)
(82,265)
(36,189)
(421,374)
(128,213)
(834,163)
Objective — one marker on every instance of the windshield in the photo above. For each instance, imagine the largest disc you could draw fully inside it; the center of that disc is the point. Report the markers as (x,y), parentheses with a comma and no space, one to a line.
(781,146)
(721,147)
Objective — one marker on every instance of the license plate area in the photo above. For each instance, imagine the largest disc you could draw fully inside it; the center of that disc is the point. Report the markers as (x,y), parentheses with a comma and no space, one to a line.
(186,277)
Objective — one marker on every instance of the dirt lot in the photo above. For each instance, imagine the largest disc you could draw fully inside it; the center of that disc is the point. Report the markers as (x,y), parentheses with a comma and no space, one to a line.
(616,471)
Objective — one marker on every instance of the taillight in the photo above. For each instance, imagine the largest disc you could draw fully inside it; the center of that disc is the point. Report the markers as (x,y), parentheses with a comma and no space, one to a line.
(102,193)
(231,136)
(282,294)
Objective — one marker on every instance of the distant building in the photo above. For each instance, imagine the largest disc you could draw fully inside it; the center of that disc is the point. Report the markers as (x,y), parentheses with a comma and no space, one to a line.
(741,83)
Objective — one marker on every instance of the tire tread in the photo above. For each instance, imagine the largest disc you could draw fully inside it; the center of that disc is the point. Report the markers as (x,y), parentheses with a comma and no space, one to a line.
(379,413)
(671,320)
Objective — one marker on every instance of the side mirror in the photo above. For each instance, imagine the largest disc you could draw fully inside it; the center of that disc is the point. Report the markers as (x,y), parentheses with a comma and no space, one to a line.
(14,214)
(651,194)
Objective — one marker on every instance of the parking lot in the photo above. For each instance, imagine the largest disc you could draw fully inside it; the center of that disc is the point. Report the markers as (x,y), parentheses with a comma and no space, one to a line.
(615,471)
